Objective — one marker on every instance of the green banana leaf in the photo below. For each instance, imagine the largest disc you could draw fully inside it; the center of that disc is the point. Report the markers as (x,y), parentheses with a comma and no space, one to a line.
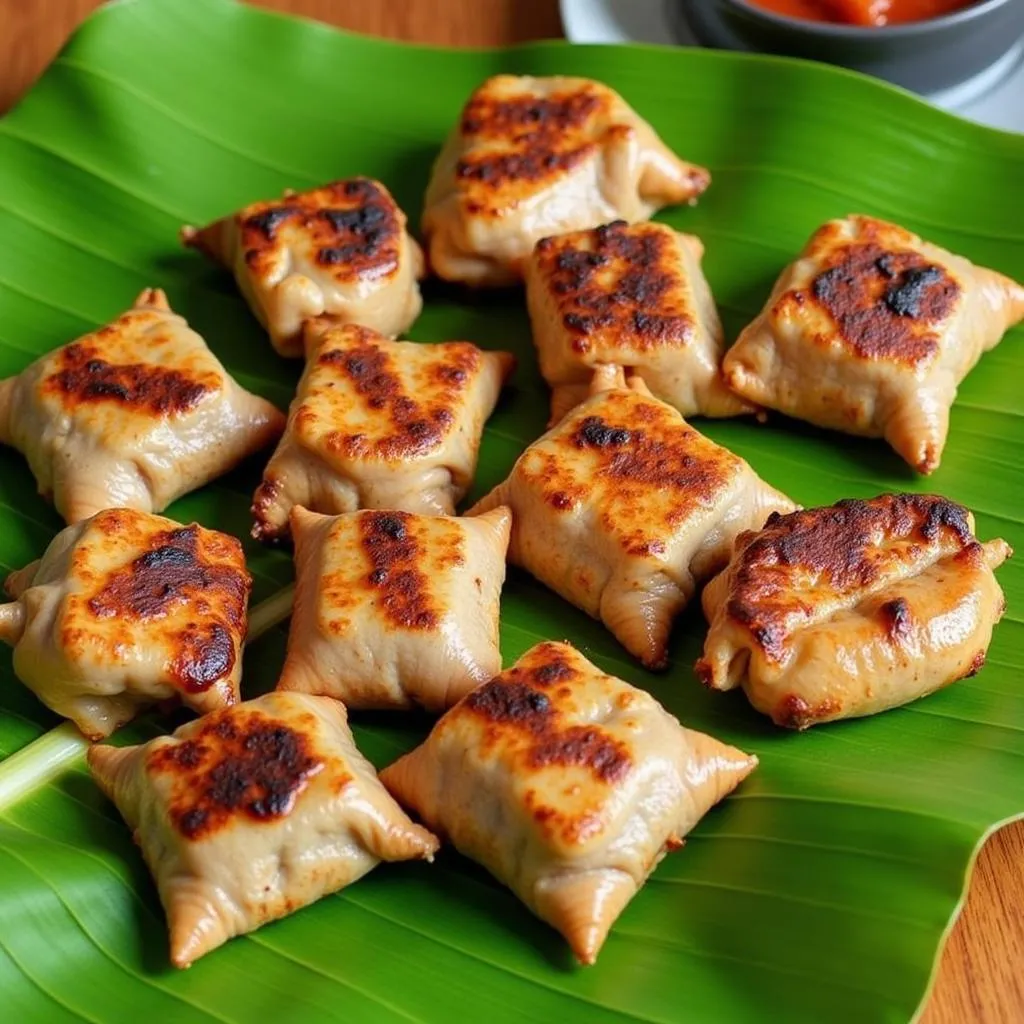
(823,888)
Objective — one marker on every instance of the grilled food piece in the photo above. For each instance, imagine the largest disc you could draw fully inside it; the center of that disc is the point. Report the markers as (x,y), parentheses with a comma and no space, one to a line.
(535,156)
(127,609)
(342,249)
(394,610)
(133,415)
(853,609)
(252,812)
(379,424)
(567,784)
(871,331)
(624,509)
(633,295)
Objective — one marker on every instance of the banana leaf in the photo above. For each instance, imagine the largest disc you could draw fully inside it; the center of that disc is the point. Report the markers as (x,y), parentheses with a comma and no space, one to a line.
(823,888)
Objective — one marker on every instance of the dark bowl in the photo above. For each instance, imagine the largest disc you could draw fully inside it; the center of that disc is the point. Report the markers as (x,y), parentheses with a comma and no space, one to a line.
(926,56)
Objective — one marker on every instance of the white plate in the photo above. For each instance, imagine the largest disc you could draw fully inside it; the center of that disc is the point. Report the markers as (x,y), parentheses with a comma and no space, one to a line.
(995,97)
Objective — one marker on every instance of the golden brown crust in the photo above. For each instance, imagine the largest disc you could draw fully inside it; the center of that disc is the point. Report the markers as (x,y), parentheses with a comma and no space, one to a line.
(379,423)
(133,414)
(417,425)
(341,249)
(841,549)
(624,509)
(239,764)
(851,610)
(534,156)
(179,568)
(629,294)
(515,145)
(410,426)
(519,700)
(353,227)
(526,712)
(883,300)
(83,376)
(870,331)
(529,139)
(568,784)
(617,280)
(395,610)
(638,452)
(248,814)
(127,610)
(397,576)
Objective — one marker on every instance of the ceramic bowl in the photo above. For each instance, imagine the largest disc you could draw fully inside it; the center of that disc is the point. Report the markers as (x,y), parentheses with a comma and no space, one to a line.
(982,41)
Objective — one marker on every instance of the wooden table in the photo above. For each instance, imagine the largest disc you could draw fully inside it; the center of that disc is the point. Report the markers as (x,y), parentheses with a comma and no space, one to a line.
(981,978)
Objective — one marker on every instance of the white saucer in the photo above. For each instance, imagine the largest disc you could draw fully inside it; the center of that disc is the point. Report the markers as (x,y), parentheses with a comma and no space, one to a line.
(995,97)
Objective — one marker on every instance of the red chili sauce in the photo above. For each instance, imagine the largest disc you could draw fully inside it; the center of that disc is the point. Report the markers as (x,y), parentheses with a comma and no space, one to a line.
(863,12)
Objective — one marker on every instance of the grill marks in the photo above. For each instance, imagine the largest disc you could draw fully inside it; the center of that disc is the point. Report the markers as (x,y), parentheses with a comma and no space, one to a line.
(525,166)
(367,226)
(519,704)
(637,462)
(396,555)
(619,285)
(529,117)
(409,426)
(585,746)
(593,432)
(526,139)
(238,763)
(172,571)
(206,654)
(515,704)
(910,295)
(267,220)
(651,469)
(840,552)
(664,455)
(884,301)
(851,543)
(84,376)
(941,514)
(187,573)
(352,228)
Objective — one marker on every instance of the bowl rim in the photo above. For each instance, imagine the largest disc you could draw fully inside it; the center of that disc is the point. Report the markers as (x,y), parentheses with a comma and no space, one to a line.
(977,9)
